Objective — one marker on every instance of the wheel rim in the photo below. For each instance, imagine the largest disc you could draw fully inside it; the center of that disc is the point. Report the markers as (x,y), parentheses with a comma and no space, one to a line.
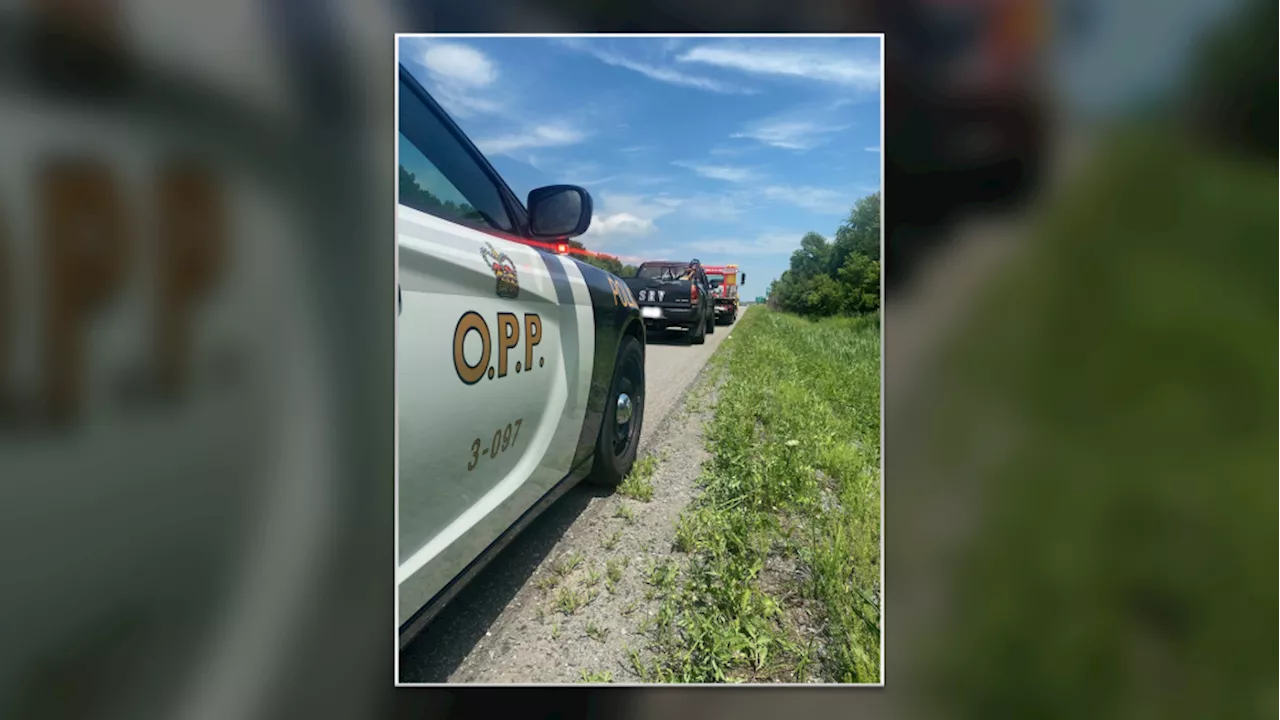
(625,429)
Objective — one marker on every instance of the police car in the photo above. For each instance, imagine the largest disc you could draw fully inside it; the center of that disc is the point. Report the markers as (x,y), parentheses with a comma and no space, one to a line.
(520,371)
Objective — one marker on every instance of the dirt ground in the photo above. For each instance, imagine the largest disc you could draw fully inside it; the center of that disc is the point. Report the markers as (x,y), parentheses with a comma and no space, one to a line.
(535,639)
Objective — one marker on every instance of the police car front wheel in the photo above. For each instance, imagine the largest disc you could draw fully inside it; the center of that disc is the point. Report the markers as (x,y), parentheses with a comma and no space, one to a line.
(619,437)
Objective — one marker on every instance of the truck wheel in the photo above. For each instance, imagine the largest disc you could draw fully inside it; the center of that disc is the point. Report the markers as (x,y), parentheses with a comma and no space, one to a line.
(619,436)
(698,334)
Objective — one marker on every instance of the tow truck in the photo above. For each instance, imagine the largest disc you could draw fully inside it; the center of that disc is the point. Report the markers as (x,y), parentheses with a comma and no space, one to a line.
(724,291)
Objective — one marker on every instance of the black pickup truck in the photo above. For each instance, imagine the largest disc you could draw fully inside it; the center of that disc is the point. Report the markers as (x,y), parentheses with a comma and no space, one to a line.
(675,294)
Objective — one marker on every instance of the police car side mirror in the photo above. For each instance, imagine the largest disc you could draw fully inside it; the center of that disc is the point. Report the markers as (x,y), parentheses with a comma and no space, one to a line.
(559,211)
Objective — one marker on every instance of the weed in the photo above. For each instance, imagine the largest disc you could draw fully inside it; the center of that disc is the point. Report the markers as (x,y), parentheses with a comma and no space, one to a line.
(625,512)
(611,542)
(592,579)
(567,564)
(596,632)
(548,582)
(613,569)
(639,482)
(569,601)
(596,677)
(662,575)
(637,664)
(555,631)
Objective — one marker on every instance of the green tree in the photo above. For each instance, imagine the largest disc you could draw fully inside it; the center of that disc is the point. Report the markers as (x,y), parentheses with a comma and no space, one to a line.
(607,263)
(835,278)
(859,233)
(813,256)
(859,280)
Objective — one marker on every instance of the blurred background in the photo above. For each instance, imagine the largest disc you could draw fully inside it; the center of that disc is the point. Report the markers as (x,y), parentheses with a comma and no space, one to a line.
(196,448)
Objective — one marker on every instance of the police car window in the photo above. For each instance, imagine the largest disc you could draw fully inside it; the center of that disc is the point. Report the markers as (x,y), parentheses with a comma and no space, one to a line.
(437,174)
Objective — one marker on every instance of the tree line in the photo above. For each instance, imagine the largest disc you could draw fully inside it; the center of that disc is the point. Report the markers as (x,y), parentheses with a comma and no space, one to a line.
(836,277)
(607,262)
(419,198)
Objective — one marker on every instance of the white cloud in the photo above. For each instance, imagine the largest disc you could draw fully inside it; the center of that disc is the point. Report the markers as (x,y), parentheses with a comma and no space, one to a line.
(668,75)
(717,172)
(620,224)
(815,199)
(762,244)
(458,73)
(625,216)
(871,148)
(639,205)
(789,133)
(653,254)
(725,150)
(461,104)
(459,65)
(549,135)
(712,207)
(832,67)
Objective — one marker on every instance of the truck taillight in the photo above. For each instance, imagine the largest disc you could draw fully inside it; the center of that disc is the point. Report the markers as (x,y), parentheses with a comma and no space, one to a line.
(562,248)
(693,293)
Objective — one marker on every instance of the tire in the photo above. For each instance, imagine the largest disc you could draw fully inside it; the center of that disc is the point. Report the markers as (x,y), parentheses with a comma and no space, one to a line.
(616,448)
(698,334)
(711,323)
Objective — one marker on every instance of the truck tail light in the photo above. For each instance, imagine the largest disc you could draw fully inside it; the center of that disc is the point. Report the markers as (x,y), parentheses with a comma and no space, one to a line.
(562,248)
(693,293)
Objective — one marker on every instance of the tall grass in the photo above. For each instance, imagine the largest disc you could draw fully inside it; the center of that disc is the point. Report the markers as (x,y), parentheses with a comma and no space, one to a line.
(793,483)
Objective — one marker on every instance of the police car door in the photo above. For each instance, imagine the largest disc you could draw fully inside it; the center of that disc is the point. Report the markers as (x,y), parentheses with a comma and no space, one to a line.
(494,349)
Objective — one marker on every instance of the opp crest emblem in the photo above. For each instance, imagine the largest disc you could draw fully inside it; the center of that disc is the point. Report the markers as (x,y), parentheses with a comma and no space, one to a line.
(504,271)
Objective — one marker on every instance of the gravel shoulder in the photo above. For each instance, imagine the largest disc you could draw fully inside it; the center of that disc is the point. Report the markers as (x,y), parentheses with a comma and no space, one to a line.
(537,616)
(602,565)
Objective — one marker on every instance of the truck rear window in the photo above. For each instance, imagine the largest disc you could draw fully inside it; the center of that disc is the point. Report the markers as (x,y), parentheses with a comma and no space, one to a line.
(662,272)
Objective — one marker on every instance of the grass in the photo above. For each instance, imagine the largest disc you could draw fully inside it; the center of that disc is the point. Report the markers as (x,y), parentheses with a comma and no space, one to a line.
(638,484)
(794,476)
(603,676)
(567,564)
(1124,564)
(611,542)
(625,512)
(596,632)
(570,601)
(613,568)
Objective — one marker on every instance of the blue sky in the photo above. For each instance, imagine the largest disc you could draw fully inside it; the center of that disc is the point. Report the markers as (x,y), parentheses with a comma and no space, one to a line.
(724,149)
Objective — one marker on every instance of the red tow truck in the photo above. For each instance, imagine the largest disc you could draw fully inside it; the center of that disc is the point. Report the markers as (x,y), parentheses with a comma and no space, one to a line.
(725,280)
